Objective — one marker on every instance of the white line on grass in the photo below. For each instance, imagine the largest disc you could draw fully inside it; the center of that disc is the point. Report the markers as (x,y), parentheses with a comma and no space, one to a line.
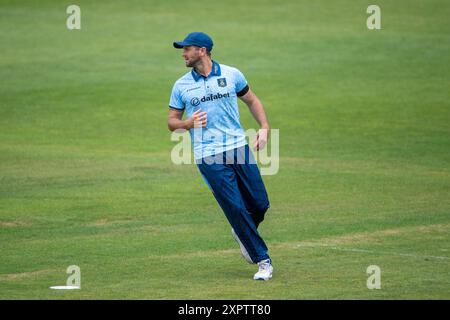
(374,252)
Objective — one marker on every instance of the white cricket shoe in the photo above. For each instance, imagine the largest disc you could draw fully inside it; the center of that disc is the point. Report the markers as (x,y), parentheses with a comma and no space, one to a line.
(243,250)
(265,270)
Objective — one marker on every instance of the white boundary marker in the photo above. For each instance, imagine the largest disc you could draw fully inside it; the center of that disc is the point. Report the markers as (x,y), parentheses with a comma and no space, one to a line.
(64,287)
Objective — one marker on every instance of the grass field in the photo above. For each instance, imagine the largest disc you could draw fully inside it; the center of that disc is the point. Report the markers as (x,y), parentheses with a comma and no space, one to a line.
(87,180)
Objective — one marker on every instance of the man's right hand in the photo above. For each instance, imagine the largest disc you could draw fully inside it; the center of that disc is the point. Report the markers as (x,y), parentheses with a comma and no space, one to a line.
(197,119)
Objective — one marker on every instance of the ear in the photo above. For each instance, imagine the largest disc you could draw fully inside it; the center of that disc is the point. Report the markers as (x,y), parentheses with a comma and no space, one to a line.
(203,51)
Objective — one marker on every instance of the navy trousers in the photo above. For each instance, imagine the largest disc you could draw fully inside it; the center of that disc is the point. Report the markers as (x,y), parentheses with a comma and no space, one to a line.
(236,183)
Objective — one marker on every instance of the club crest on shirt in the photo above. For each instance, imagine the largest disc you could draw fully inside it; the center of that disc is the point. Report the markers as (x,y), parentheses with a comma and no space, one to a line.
(222,82)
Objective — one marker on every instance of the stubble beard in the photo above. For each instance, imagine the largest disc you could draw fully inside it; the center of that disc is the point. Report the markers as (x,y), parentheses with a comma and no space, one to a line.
(192,63)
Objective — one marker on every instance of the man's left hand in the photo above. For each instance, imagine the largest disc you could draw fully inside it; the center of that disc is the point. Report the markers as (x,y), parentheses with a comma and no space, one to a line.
(261,139)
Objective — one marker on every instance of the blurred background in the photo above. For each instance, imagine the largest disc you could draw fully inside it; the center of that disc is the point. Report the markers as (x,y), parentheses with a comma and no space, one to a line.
(86,175)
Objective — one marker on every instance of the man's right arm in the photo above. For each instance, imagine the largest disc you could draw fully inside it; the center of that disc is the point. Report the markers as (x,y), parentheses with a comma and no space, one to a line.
(174,121)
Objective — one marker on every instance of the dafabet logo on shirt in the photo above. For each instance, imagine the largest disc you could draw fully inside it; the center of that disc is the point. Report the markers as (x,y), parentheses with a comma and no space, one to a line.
(196,101)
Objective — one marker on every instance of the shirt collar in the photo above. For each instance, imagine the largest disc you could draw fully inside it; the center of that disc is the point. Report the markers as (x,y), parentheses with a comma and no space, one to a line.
(214,72)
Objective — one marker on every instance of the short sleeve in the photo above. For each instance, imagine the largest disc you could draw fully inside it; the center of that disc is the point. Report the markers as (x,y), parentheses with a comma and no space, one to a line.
(175,99)
(241,85)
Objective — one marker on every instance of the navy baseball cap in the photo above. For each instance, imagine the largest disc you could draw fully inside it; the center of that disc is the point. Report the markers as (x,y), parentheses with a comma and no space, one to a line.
(198,39)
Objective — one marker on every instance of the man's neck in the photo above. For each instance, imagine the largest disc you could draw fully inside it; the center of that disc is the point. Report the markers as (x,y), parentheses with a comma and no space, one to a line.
(204,67)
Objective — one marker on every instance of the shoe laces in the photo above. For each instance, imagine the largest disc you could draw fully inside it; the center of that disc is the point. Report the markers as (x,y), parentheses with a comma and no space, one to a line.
(264,265)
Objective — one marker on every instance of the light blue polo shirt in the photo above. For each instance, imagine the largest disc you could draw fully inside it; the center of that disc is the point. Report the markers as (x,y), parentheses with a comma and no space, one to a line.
(217,95)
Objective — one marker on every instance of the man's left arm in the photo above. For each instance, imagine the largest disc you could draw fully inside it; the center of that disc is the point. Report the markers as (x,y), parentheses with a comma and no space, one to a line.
(257,110)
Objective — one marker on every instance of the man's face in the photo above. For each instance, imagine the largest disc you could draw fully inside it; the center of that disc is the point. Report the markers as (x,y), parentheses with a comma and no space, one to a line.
(191,55)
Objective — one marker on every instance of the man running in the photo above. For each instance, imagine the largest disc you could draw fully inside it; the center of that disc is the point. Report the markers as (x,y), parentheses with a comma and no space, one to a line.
(208,94)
